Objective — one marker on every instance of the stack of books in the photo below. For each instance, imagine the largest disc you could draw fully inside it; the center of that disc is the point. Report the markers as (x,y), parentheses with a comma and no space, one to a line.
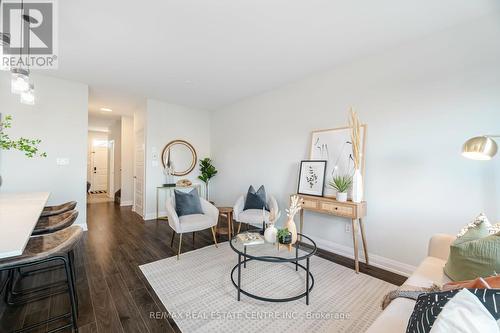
(250,238)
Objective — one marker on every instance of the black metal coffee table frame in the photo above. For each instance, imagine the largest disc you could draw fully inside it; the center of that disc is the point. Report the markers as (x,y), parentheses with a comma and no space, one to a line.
(279,260)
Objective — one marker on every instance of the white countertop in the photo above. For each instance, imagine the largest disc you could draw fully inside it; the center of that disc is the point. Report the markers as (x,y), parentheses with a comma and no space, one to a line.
(19,213)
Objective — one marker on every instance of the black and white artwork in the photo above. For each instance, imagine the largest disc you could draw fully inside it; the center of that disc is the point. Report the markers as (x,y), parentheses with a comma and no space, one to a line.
(312,177)
(335,147)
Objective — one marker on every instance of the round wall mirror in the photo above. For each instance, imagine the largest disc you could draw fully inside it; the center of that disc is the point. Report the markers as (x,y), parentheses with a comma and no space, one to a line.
(180,156)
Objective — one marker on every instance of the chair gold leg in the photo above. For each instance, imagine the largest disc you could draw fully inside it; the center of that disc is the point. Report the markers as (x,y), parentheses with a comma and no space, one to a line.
(215,238)
(180,243)
(239,227)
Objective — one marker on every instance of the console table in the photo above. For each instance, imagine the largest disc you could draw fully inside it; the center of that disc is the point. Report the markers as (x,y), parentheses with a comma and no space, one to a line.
(349,210)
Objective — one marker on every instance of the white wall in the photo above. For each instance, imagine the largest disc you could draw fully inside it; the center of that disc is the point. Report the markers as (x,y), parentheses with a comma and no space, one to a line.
(127,160)
(421,101)
(59,119)
(115,134)
(167,122)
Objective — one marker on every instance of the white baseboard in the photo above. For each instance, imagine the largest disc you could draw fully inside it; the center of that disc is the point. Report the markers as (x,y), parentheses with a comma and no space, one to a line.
(375,260)
(126,203)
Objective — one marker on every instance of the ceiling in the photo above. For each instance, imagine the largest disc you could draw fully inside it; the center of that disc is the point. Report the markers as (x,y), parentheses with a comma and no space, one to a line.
(208,54)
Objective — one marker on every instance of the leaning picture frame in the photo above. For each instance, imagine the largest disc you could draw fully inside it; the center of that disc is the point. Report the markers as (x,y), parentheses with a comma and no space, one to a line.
(334,146)
(312,177)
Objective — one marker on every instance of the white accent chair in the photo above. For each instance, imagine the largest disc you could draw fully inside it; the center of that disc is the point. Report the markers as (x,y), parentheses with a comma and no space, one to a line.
(252,216)
(193,222)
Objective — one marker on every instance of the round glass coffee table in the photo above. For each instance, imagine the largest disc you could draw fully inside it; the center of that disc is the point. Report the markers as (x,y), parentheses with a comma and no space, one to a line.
(268,252)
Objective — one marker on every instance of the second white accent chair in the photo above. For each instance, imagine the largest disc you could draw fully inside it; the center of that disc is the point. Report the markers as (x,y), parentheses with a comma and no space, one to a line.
(252,216)
(192,222)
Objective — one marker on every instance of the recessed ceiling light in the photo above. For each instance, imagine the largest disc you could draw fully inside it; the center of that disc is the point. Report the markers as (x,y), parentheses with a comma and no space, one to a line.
(106,109)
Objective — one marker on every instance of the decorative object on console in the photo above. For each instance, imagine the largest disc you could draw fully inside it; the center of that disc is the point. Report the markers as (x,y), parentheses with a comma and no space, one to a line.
(295,206)
(480,147)
(179,156)
(184,183)
(474,254)
(335,146)
(312,178)
(342,184)
(168,171)
(207,172)
(357,178)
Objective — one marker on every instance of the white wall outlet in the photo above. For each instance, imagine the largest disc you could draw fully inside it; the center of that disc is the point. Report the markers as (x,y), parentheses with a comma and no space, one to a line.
(62,161)
(154,163)
(348,227)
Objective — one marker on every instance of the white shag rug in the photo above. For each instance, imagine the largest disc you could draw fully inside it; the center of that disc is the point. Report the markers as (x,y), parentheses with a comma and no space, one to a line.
(199,295)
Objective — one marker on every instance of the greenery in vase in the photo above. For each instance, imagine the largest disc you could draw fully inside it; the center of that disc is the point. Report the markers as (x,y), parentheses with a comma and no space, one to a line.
(207,170)
(341,183)
(282,234)
(28,146)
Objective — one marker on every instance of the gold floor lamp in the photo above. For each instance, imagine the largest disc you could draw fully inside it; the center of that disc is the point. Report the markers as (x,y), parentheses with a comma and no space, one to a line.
(480,147)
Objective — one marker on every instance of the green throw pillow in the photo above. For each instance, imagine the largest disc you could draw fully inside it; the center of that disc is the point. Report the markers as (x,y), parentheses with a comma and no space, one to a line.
(474,254)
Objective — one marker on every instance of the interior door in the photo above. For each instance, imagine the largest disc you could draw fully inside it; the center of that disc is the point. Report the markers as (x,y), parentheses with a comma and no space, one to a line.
(99,166)
(139,173)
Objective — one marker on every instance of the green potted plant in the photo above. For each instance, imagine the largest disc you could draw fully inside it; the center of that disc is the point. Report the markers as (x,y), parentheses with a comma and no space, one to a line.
(284,236)
(341,184)
(28,146)
(207,172)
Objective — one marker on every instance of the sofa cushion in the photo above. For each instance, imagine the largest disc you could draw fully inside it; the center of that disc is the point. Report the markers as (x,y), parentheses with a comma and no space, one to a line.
(395,317)
(474,254)
(472,310)
(256,200)
(187,203)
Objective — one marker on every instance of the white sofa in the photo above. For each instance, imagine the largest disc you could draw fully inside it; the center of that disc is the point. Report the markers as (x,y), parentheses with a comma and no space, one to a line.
(395,317)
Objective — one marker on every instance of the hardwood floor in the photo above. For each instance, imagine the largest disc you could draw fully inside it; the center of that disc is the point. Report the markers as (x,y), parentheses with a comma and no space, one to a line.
(113,294)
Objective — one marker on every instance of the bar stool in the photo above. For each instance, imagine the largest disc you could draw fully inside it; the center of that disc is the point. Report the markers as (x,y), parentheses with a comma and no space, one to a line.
(53,247)
(48,224)
(59,209)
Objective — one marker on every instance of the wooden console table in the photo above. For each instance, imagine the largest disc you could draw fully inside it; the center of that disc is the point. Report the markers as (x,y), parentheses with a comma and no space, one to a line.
(349,210)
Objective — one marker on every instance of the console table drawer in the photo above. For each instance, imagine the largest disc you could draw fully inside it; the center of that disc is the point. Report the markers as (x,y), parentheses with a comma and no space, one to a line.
(337,209)
(309,204)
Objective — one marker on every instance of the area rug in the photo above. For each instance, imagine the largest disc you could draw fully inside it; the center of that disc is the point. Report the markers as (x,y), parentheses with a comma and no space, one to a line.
(198,293)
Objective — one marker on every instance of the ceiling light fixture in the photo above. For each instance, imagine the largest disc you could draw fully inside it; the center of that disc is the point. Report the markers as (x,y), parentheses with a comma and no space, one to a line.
(20,77)
(20,80)
(4,41)
(106,109)
(28,97)
(481,148)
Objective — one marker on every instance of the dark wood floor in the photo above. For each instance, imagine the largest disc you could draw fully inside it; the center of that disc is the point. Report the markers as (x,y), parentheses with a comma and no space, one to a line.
(113,294)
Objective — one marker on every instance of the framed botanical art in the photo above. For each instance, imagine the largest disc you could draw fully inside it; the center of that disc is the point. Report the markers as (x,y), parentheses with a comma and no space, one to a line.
(335,146)
(312,178)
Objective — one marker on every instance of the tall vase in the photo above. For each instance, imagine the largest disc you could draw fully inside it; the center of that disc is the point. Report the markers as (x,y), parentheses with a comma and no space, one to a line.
(357,186)
(290,225)
(207,191)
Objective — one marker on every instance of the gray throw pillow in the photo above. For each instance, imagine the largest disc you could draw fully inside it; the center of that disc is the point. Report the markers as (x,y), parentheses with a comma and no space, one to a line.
(187,203)
(256,200)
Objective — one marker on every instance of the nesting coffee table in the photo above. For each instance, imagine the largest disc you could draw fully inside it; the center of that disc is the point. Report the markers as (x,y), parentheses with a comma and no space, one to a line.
(268,252)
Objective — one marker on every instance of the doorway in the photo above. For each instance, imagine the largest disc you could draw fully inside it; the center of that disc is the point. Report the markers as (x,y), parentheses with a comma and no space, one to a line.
(98,167)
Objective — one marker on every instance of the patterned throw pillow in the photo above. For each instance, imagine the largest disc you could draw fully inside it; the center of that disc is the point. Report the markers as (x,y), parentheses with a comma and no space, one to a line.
(429,306)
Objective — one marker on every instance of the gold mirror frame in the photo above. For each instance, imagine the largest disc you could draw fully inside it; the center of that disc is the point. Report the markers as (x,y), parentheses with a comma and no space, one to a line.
(189,146)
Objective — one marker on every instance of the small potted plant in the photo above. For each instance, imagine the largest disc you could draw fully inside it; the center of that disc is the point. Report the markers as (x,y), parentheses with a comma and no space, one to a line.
(284,238)
(341,184)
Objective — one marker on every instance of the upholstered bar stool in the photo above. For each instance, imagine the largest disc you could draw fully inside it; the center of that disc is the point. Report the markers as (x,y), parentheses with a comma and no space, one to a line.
(48,224)
(59,209)
(53,247)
